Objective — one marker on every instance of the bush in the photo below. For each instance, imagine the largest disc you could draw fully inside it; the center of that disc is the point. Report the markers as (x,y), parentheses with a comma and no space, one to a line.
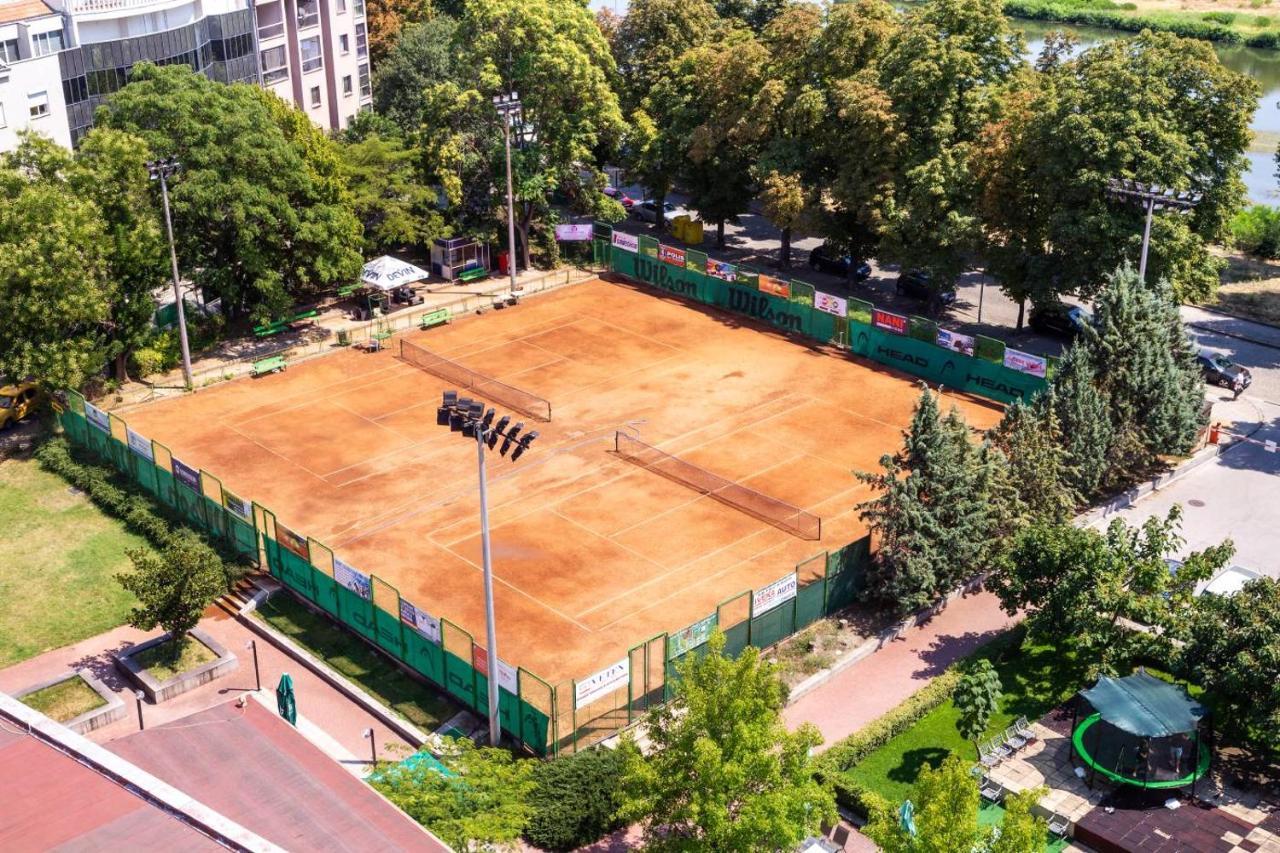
(1268,40)
(1256,230)
(1262,21)
(1224,18)
(575,799)
(160,354)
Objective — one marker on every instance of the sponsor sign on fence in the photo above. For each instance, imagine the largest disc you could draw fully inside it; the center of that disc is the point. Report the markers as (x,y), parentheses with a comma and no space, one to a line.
(603,683)
(775,286)
(186,475)
(626,242)
(140,445)
(890,322)
(507,678)
(1025,362)
(238,505)
(691,637)
(421,621)
(97,417)
(830,304)
(352,579)
(778,592)
(721,270)
(295,543)
(955,341)
(574,232)
(671,255)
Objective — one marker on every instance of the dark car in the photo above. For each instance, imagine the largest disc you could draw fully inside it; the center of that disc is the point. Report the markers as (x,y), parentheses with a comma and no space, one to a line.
(1060,320)
(826,259)
(918,284)
(1220,370)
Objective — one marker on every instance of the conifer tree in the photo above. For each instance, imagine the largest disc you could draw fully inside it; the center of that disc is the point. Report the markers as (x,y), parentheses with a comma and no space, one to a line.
(1030,436)
(1081,408)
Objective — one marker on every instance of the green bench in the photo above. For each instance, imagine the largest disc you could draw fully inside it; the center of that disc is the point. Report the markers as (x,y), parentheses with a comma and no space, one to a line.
(473,274)
(269,365)
(276,327)
(438,317)
(347,290)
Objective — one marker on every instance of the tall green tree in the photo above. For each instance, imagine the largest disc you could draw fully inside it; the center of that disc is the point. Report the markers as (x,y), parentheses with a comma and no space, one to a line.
(394,208)
(1036,452)
(723,772)
(1081,409)
(946,802)
(653,35)
(1021,829)
(756,14)
(174,586)
(425,54)
(260,213)
(977,697)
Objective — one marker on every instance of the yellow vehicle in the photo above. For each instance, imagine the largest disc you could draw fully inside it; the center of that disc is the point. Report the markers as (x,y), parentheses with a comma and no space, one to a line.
(17,401)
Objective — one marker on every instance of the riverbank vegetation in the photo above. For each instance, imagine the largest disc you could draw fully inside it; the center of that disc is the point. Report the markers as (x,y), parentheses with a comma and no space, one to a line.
(1252,28)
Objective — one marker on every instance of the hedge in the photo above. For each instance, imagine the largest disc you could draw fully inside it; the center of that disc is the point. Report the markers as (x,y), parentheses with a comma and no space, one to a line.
(575,800)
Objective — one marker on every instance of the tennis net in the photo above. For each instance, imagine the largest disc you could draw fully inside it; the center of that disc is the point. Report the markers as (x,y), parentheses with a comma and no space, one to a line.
(469,380)
(777,512)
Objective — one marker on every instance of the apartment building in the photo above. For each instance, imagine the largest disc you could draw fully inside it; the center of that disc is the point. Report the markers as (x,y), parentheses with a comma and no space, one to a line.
(60,59)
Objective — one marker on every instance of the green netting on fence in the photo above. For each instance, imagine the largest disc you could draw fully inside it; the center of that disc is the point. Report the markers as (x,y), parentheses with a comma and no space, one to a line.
(802,293)
(774,624)
(859,310)
(922,329)
(989,349)
(734,618)
(846,574)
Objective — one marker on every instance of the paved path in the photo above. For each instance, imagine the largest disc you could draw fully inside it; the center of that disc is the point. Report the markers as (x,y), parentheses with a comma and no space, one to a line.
(879,682)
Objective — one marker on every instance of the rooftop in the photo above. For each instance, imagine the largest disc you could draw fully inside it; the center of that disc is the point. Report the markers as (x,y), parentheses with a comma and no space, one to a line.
(22,10)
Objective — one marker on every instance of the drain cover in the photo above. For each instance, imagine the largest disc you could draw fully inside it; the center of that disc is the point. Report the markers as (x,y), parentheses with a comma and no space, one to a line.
(1195,502)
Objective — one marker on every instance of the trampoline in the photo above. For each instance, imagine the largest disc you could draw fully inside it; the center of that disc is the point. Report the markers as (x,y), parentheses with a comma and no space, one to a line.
(1142,732)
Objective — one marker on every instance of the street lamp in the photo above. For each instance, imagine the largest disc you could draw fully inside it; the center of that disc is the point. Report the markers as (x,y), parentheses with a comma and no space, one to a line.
(471,419)
(1153,198)
(138,695)
(257,674)
(508,107)
(373,746)
(160,171)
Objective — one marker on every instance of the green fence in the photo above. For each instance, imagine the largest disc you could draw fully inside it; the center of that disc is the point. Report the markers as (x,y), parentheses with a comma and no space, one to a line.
(913,349)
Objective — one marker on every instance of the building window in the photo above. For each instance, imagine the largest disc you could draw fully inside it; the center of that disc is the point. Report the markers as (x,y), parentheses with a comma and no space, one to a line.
(365,89)
(346,85)
(344,44)
(315,96)
(274,66)
(342,6)
(312,58)
(3,123)
(362,42)
(308,14)
(9,50)
(38,103)
(43,44)
(359,7)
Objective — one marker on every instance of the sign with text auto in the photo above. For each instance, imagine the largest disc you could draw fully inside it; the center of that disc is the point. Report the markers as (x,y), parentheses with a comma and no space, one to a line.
(780,591)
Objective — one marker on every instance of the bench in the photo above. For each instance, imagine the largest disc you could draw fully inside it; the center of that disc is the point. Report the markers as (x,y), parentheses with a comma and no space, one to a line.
(473,274)
(275,327)
(269,365)
(438,317)
(348,289)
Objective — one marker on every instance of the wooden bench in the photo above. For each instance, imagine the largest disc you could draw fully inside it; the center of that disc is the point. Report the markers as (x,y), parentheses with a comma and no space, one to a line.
(438,317)
(269,365)
(473,274)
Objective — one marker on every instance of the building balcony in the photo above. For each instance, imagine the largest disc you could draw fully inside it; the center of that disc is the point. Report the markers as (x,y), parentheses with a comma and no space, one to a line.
(94,7)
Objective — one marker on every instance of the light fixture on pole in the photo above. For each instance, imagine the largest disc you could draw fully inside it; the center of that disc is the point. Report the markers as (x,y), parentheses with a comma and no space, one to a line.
(138,695)
(508,107)
(160,171)
(472,419)
(1152,198)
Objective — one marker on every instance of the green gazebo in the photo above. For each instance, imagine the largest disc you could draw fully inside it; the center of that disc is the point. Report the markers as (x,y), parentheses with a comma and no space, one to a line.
(1142,732)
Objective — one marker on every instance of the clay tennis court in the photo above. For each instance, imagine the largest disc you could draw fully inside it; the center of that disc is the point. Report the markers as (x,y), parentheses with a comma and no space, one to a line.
(592,552)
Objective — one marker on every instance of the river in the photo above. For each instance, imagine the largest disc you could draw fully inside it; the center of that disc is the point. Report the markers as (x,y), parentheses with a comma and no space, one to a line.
(1262,65)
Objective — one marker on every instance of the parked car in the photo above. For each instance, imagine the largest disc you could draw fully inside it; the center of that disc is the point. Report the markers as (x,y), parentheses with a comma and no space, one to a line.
(647,210)
(826,259)
(17,402)
(619,196)
(918,284)
(1060,320)
(1220,370)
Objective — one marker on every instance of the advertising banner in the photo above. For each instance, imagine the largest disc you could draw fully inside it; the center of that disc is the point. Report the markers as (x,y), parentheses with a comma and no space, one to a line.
(352,579)
(955,341)
(1025,362)
(778,592)
(691,637)
(238,505)
(721,270)
(578,232)
(97,417)
(507,678)
(421,621)
(830,304)
(775,286)
(890,322)
(603,683)
(626,242)
(186,475)
(139,445)
(295,543)
(671,255)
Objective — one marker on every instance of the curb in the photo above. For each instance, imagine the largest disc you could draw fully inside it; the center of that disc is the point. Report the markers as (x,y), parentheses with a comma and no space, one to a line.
(1236,335)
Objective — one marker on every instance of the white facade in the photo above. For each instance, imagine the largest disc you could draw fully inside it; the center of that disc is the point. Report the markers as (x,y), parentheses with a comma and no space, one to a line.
(59,59)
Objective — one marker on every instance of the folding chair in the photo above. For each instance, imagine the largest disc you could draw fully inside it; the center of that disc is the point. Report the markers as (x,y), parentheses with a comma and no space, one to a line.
(991,790)
(1015,740)
(1001,749)
(986,757)
(1024,730)
(1058,825)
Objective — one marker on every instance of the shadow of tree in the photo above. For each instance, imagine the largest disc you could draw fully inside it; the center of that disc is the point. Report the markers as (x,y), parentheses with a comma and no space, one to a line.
(914,760)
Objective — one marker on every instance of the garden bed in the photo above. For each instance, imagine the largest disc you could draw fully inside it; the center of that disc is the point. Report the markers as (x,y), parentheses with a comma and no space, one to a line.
(148,665)
(78,700)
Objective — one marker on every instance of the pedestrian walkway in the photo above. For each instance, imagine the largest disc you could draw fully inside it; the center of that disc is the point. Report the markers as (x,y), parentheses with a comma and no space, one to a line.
(879,682)
(1231,326)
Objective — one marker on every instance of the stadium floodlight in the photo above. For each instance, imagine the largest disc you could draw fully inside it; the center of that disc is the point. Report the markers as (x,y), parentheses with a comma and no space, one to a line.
(511,112)
(1153,198)
(471,418)
(161,170)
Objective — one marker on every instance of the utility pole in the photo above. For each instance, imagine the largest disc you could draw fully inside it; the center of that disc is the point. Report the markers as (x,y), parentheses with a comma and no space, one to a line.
(471,419)
(508,107)
(1152,198)
(161,170)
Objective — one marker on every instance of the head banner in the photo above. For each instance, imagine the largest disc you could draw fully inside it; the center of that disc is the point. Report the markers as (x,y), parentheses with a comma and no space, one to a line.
(1025,362)
(140,445)
(574,232)
(671,255)
(775,286)
(508,680)
(186,475)
(626,242)
(890,322)
(352,579)
(955,341)
(421,621)
(830,304)
(97,417)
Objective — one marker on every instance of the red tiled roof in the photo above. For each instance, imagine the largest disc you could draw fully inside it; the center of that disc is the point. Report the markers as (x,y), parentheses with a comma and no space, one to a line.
(21,10)
(257,770)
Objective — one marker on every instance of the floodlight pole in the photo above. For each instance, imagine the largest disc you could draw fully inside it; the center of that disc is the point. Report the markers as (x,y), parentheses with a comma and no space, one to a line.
(1151,197)
(491,628)
(508,107)
(161,170)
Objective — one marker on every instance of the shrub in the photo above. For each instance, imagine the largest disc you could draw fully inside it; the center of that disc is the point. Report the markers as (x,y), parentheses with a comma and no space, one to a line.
(1224,18)
(1262,21)
(575,799)
(1256,230)
(160,354)
(1268,40)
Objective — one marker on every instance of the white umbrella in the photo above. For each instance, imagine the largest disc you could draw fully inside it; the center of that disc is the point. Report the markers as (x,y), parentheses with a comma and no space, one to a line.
(388,273)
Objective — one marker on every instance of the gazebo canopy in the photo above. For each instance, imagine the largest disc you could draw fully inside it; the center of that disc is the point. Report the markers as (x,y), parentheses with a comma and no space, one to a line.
(388,273)
(1145,706)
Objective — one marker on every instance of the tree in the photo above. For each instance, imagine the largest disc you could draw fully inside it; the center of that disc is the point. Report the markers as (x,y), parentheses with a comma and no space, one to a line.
(783,199)
(1081,409)
(394,209)
(1233,651)
(652,36)
(946,802)
(575,799)
(388,19)
(1035,450)
(1021,829)
(424,55)
(482,806)
(756,14)
(723,772)
(174,586)
(977,697)
(259,208)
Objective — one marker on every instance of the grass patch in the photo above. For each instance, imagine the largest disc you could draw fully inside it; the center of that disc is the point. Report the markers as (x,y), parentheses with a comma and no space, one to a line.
(1034,680)
(418,703)
(65,700)
(159,663)
(812,650)
(1250,288)
(992,814)
(61,555)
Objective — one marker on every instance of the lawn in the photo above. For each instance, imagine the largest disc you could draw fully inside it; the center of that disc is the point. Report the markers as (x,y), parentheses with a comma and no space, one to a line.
(65,700)
(991,814)
(417,702)
(60,555)
(1250,288)
(158,662)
